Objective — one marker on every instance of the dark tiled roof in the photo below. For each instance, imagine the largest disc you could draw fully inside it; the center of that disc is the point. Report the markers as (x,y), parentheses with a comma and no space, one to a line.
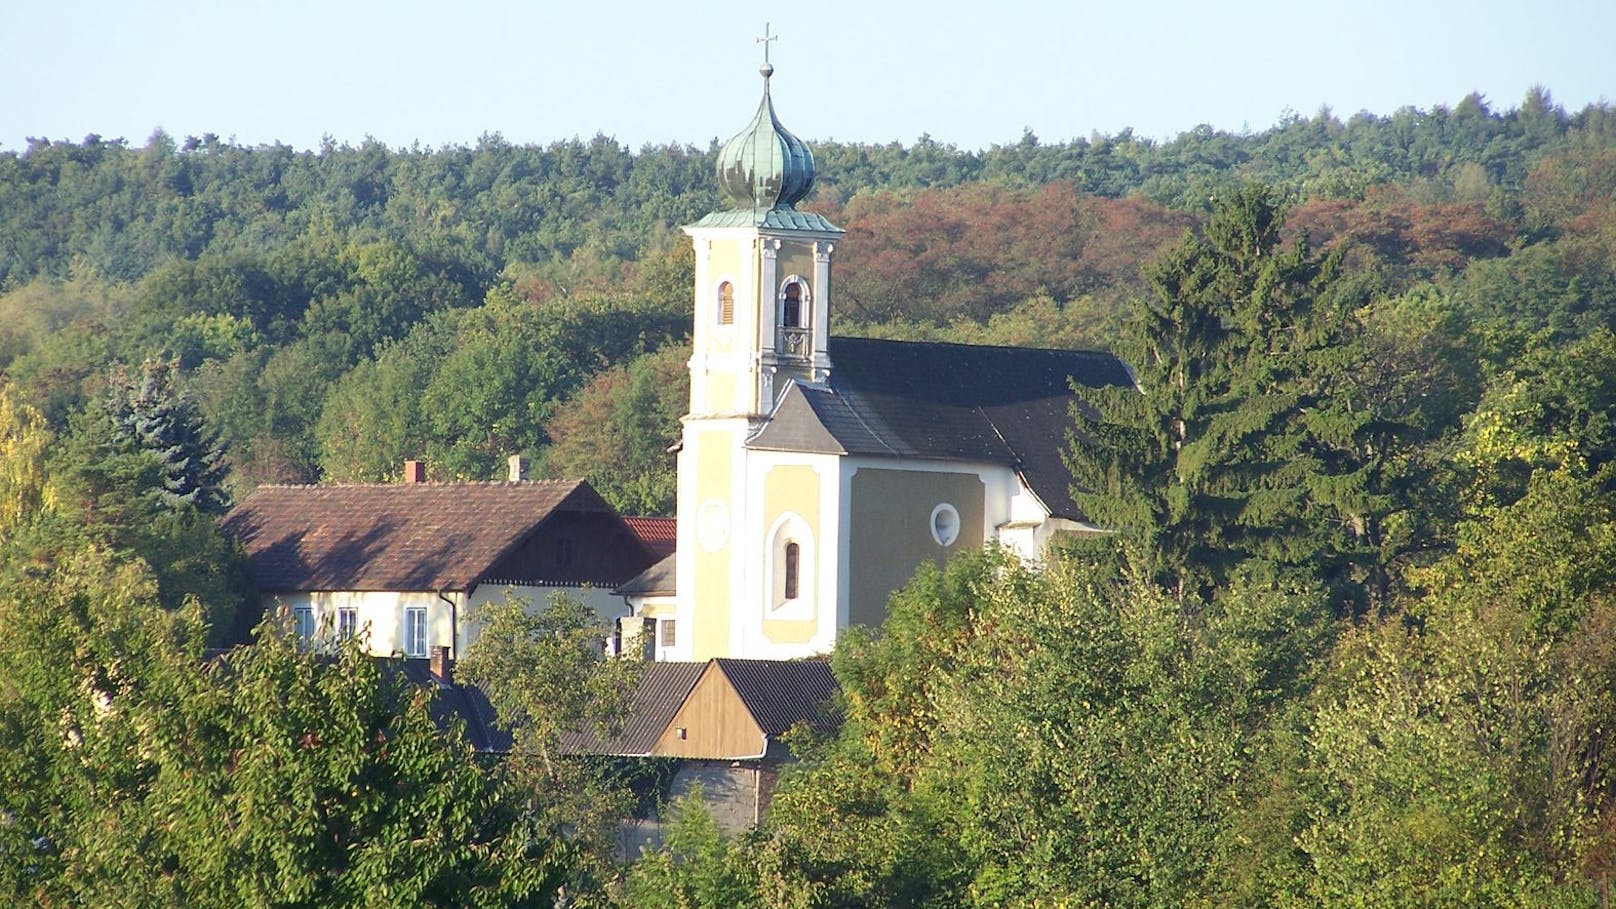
(923,399)
(661,579)
(405,536)
(781,693)
(661,691)
(457,701)
(659,534)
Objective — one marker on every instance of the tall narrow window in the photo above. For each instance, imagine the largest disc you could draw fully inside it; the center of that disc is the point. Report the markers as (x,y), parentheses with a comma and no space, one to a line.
(726,304)
(415,631)
(791,311)
(303,621)
(668,632)
(793,560)
(347,622)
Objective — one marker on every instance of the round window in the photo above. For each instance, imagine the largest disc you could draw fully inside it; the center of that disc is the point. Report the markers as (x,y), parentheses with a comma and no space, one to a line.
(945,524)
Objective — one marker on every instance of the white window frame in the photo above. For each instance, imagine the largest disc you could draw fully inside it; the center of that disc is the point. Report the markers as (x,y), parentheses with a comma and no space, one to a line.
(415,631)
(347,622)
(787,529)
(303,623)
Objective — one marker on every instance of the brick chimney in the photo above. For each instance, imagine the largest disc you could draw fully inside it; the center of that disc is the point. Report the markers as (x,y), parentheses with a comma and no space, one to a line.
(442,667)
(518,468)
(415,471)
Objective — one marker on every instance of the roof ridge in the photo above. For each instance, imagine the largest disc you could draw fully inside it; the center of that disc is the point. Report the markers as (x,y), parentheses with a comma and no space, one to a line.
(426,483)
(967,346)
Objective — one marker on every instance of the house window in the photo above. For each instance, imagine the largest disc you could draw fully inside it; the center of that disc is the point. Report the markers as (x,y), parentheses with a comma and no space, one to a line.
(303,623)
(726,304)
(415,631)
(667,633)
(793,557)
(565,547)
(347,622)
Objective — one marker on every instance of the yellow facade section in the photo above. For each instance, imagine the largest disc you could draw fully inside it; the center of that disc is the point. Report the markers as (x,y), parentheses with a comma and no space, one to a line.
(797,259)
(732,387)
(794,489)
(721,393)
(714,473)
(724,264)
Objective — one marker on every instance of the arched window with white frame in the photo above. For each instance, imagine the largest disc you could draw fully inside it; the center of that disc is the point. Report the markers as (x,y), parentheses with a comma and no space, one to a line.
(790,569)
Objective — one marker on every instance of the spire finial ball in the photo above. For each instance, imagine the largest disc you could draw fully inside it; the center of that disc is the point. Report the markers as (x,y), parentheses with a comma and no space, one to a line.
(767,70)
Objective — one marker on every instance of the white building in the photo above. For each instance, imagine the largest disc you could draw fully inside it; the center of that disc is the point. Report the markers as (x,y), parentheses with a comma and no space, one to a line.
(816,473)
(405,565)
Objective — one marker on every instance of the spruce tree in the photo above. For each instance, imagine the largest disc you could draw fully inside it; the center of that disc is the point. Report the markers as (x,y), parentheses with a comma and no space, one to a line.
(1244,443)
(148,413)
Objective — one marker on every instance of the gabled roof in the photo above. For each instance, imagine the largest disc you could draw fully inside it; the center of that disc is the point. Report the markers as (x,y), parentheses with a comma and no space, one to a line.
(660,535)
(781,693)
(402,536)
(958,402)
(661,579)
(660,692)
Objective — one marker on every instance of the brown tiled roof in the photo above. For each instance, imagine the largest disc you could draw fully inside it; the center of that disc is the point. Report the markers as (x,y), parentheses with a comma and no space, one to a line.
(403,536)
(957,402)
(660,534)
(782,693)
(661,691)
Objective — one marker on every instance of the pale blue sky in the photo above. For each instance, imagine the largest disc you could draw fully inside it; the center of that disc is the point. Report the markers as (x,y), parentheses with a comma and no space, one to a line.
(970,73)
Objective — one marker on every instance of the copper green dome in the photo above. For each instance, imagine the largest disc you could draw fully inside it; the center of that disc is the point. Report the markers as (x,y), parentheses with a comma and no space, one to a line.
(765,166)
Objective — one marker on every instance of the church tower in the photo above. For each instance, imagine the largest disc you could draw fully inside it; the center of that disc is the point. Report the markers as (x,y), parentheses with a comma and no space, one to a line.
(762,318)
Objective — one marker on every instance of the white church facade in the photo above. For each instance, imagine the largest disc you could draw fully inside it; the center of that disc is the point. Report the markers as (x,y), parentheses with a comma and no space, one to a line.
(816,473)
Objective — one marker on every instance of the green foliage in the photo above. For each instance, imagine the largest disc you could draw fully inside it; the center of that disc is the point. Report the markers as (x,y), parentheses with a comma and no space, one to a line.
(544,673)
(468,389)
(1246,438)
(138,772)
(1430,397)
(25,490)
(616,431)
(1040,737)
(697,868)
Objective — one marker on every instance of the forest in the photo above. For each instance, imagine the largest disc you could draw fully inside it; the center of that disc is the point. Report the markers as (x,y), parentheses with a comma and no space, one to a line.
(1352,643)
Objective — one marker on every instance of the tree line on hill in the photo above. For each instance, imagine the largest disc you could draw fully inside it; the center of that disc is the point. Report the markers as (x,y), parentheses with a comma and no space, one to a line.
(1350,643)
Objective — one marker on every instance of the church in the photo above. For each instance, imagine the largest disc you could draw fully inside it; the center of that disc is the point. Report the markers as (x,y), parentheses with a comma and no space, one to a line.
(816,473)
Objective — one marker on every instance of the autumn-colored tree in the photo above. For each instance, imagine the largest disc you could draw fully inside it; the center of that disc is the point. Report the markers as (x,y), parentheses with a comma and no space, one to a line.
(617,430)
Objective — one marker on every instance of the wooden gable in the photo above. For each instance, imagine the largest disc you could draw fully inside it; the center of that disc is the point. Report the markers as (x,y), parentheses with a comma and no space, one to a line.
(712,724)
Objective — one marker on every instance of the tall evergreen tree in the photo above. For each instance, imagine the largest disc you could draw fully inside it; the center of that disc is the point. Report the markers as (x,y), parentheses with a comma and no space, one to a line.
(1245,439)
(148,414)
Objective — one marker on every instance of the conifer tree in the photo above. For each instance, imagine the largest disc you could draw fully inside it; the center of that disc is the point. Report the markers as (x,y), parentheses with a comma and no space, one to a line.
(1244,439)
(148,413)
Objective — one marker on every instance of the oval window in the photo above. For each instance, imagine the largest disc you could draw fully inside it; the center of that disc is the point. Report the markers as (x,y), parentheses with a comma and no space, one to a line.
(945,524)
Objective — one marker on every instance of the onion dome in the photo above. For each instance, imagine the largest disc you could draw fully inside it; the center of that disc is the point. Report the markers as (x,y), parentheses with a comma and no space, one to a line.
(765,166)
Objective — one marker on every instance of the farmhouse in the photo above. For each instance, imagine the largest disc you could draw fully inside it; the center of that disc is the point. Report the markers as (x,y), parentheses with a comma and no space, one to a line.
(404,565)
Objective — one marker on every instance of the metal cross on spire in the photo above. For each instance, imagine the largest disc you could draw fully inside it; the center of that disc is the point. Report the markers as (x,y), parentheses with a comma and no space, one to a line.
(765,40)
